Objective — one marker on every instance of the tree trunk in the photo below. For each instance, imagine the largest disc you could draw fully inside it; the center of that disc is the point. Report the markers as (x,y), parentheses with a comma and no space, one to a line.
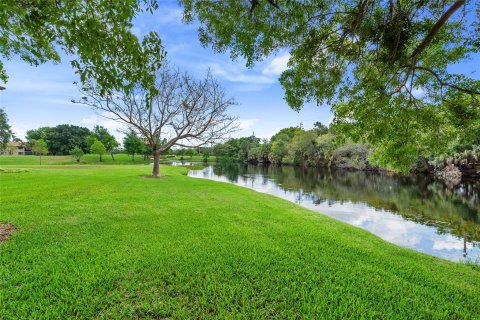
(133,157)
(425,164)
(112,156)
(100,158)
(156,164)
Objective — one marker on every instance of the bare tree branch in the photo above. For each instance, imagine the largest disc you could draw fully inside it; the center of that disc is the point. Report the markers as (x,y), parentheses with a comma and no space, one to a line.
(184,111)
(438,25)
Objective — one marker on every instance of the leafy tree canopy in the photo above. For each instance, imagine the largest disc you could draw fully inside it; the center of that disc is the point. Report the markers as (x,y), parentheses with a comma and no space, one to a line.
(286,133)
(101,134)
(132,143)
(320,128)
(382,65)
(98,148)
(5,130)
(96,34)
(77,153)
(60,139)
(40,147)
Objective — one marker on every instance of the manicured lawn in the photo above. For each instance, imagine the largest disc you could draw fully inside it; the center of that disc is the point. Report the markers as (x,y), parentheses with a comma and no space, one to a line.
(103,242)
(89,159)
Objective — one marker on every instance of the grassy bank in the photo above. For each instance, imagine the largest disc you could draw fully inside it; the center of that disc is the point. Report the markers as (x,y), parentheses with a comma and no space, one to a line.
(106,243)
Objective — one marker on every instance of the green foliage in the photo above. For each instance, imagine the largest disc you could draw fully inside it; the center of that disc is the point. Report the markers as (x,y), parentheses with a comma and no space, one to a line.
(184,248)
(279,149)
(351,156)
(302,148)
(325,145)
(293,146)
(5,130)
(96,34)
(40,147)
(97,147)
(61,139)
(383,66)
(189,152)
(133,144)
(259,153)
(286,134)
(206,152)
(77,153)
(237,149)
(101,134)
(36,134)
(320,128)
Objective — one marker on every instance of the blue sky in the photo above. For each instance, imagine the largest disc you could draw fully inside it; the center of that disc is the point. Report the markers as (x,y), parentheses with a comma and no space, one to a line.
(40,96)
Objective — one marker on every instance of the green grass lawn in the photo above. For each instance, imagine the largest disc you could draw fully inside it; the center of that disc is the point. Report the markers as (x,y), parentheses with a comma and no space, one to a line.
(103,242)
(89,159)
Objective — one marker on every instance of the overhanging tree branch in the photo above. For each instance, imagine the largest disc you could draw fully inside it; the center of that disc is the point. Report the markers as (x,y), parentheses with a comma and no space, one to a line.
(438,25)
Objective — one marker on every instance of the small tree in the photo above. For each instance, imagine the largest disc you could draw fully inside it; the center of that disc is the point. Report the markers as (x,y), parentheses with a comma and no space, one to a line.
(98,148)
(77,153)
(40,147)
(206,152)
(190,153)
(320,128)
(101,134)
(132,144)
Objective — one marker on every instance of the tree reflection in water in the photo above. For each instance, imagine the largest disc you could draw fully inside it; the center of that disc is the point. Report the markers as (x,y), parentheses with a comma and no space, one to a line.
(418,199)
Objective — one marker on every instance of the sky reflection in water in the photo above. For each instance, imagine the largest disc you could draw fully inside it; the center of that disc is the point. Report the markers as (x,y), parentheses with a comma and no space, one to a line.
(421,215)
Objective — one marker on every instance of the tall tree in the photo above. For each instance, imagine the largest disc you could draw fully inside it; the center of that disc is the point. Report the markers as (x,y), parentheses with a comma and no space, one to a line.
(5,130)
(320,128)
(184,111)
(132,143)
(36,134)
(64,137)
(383,65)
(97,147)
(96,34)
(101,134)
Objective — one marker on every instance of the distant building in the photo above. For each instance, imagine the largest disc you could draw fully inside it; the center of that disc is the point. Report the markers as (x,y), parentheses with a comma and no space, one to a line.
(15,148)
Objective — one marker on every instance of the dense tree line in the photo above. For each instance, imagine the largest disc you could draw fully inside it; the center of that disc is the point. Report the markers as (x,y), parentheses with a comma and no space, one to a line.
(297,146)
(65,139)
(322,146)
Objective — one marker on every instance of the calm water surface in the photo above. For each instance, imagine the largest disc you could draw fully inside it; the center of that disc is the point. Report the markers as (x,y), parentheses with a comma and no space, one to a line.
(415,213)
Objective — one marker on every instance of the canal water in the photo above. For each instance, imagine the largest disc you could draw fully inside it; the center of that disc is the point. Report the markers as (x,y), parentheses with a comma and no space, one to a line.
(413,212)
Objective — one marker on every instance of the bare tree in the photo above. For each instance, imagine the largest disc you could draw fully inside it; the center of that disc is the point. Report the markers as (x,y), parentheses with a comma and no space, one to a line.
(185,112)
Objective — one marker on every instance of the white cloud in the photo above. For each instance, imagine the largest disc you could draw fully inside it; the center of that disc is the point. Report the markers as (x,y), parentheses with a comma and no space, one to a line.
(169,15)
(447,243)
(245,124)
(277,65)
(418,92)
(234,73)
